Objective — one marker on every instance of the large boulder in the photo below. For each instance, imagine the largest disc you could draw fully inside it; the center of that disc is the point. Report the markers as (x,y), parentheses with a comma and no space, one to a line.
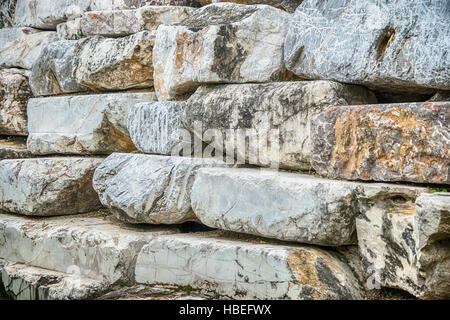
(20,47)
(406,244)
(389,45)
(220,43)
(284,206)
(117,64)
(154,189)
(392,142)
(154,126)
(246,269)
(260,110)
(48,186)
(53,72)
(14,94)
(87,124)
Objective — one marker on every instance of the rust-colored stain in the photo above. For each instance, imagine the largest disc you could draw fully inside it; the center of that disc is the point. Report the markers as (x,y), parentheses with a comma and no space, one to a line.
(189,50)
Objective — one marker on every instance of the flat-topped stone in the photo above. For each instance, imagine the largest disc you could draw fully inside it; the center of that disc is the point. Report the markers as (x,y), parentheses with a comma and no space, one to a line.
(392,142)
(14,94)
(258,110)
(154,189)
(397,45)
(91,245)
(48,186)
(284,206)
(86,124)
(246,270)
(22,282)
(20,47)
(118,63)
(220,43)
(14,148)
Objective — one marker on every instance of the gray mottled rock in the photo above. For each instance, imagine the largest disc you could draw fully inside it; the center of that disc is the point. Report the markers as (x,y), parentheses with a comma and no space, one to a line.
(87,124)
(52,73)
(70,30)
(153,126)
(48,186)
(13,149)
(20,47)
(284,206)
(7,9)
(91,246)
(14,94)
(285,106)
(287,5)
(22,282)
(153,189)
(396,45)
(392,142)
(133,4)
(246,270)
(117,64)
(406,244)
(220,43)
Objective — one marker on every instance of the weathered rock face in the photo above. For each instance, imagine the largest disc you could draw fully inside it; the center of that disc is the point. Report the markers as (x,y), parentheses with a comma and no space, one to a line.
(48,186)
(285,106)
(87,124)
(287,5)
(394,142)
(406,245)
(132,4)
(153,189)
(14,149)
(24,282)
(245,270)
(220,43)
(20,47)
(7,8)
(284,206)
(53,71)
(153,126)
(90,246)
(117,64)
(14,94)
(395,45)
(115,23)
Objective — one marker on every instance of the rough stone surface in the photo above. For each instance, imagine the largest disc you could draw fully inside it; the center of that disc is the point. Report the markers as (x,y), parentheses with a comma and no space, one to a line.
(117,64)
(246,270)
(153,189)
(7,8)
(13,149)
(393,142)
(88,124)
(393,45)
(22,282)
(20,47)
(69,30)
(153,126)
(53,72)
(406,244)
(48,186)
(287,5)
(14,94)
(133,4)
(91,246)
(220,43)
(286,106)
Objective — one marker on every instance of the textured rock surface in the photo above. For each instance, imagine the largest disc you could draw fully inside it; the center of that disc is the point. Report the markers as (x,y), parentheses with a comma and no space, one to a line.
(132,4)
(53,72)
(7,8)
(406,245)
(91,246)
(13,149)
(154,189)
(85,124)
(390,45)
(220,43)
(394,142)
(14,94)
(48,186)
(245,270)
(286,106)
(20,47)
(288,5)
(153,126)
(23,282)
(117,64)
